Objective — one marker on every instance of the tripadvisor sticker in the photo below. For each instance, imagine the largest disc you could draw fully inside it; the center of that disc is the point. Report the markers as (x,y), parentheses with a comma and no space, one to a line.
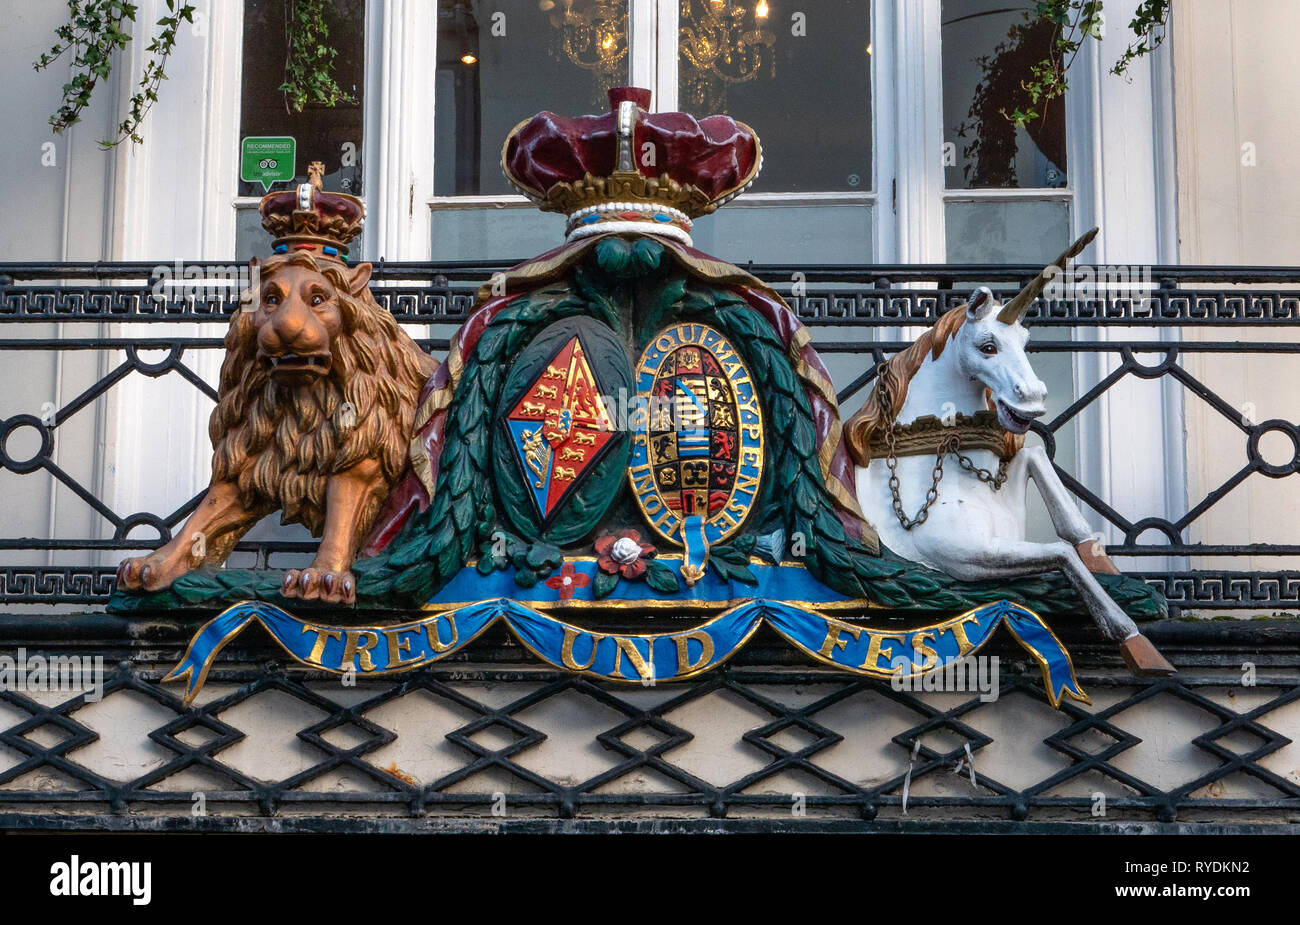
(267,160)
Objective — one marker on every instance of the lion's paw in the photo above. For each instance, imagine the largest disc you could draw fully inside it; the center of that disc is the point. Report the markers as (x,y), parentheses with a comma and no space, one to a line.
(333,586)
(153,572)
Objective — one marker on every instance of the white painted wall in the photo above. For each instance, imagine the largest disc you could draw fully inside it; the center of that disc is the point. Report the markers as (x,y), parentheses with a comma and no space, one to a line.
(1235,84)
(57,206)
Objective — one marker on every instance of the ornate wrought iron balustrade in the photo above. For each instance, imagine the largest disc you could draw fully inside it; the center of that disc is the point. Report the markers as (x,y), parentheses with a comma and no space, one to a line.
(734,750)
(851,310)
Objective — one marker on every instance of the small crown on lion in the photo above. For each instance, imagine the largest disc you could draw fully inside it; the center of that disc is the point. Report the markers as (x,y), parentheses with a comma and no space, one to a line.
(630,169)
(310,219)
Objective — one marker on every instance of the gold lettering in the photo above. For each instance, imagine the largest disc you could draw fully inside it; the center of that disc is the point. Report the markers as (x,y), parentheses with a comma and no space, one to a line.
(874,652)
(964,644)
(431,630)
(322,638)
(833,640)
(751,456)
(668,518)
(642,480)
(929,656)
(644,666)
(684,663)
(353,648)
(397,645)
(566,648)
(725,518)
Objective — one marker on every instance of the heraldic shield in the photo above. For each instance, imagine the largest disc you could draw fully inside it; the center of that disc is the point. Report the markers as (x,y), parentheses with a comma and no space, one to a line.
(558,458)
(633,459)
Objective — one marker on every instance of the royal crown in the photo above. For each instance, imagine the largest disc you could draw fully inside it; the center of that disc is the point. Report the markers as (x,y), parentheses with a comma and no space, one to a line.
(310,219)
(629,169)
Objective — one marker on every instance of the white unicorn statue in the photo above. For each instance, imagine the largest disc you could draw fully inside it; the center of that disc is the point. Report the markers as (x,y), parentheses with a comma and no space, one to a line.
(942,469)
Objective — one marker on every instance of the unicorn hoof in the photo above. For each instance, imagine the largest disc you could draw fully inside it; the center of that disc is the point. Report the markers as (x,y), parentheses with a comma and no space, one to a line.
(1143,659)
(1095,561)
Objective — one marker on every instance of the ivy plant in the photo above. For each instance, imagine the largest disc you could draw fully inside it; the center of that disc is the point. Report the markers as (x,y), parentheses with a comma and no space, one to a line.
(1073,23)
(96,30)
(1023,74)
(309,65)
(93,33)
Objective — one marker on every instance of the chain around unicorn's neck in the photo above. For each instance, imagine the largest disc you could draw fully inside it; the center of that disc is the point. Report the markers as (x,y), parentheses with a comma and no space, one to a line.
(939,388)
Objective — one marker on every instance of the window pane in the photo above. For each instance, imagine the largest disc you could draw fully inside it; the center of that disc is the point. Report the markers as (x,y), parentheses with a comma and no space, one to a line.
(988,51)
(798,73)
(824,233)
(499,64)
(1025,231)
(494,235)
(328,134)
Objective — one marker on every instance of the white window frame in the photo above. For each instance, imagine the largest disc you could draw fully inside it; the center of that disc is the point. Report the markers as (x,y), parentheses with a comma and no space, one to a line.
(653,52)
(397,128)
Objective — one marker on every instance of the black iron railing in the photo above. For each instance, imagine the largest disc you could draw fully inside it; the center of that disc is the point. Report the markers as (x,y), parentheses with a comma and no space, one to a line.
(851,310)
(1091,765)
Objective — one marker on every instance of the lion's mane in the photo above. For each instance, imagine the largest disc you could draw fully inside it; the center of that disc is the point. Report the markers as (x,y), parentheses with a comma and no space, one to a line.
(281,442)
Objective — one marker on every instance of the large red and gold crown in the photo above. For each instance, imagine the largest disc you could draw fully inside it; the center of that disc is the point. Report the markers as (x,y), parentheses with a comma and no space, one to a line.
(629,169)
(310,219)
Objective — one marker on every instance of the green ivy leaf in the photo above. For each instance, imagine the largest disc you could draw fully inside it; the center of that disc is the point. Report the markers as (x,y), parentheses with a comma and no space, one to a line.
(728,554)
(729,569)
(604,584)
(661,578)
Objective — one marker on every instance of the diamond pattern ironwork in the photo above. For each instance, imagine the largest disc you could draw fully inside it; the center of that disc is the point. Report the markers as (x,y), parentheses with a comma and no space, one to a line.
(791,741)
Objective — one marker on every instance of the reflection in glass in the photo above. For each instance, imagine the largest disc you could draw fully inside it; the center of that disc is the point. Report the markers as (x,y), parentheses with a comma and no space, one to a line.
(722,43)
(988,52)
(499,64)
(798,73)
(1026,231)
(328,134)
(592,34)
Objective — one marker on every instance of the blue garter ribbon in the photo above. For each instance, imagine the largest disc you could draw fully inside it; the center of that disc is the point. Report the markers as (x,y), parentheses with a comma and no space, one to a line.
(634,657)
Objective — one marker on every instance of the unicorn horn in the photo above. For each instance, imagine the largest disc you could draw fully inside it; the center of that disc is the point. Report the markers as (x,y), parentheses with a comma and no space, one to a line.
(1015,310)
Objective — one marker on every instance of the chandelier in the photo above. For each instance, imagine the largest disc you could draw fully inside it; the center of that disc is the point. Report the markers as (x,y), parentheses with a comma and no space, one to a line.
(721,43)
(593,35)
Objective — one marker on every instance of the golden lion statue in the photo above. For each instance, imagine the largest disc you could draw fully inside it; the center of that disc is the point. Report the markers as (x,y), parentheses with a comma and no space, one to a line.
(318,391)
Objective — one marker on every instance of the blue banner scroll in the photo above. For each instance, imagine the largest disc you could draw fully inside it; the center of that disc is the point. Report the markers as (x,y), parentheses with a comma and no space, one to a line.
(642,658)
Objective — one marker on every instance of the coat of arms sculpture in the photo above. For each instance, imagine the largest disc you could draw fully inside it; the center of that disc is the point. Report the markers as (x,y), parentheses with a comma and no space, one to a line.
(625,426)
